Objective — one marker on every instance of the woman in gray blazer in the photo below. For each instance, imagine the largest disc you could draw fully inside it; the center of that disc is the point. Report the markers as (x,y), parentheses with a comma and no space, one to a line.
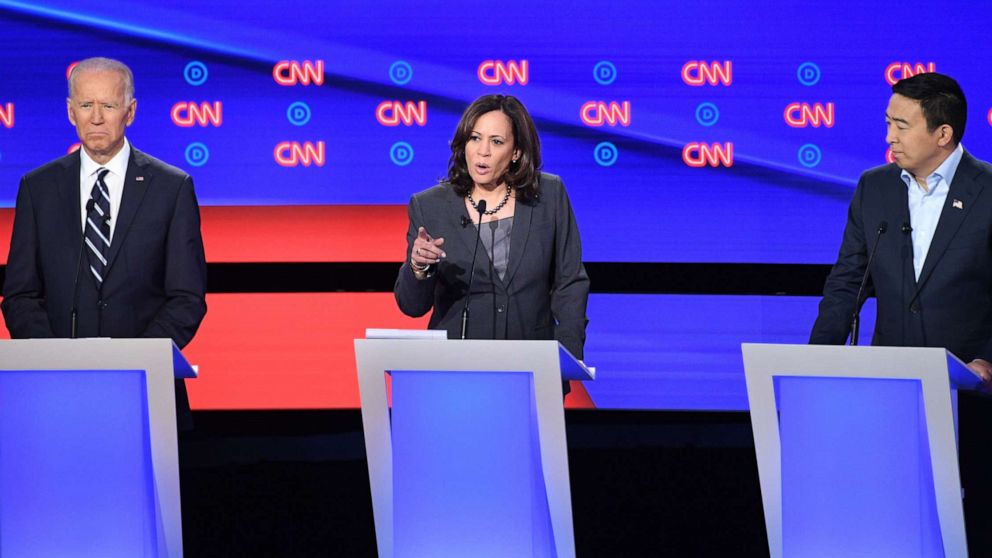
(527,279)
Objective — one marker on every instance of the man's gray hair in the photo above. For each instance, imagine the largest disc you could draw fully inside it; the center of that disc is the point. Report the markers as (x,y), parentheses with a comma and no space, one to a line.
(100,64)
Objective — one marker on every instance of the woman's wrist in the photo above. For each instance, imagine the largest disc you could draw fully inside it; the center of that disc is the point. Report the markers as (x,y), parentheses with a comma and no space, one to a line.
(419,267)
(420,271)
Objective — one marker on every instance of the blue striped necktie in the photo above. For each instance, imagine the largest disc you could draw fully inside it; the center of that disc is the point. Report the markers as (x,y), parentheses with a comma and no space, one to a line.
(98,227)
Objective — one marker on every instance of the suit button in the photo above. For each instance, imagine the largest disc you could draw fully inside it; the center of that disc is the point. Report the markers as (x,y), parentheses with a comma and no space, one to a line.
(500,308)
(914,308)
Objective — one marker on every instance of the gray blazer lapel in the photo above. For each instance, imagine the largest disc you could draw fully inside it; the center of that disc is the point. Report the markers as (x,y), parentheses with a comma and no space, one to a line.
(960,200)
(136,183)
(467,233)
(522,215)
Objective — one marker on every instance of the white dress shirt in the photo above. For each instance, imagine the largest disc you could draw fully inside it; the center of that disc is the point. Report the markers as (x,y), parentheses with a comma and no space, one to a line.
(115,182)
(925,206)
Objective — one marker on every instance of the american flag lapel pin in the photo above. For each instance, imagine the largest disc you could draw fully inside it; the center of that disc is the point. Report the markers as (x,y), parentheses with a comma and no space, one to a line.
(142,179)
(958,204)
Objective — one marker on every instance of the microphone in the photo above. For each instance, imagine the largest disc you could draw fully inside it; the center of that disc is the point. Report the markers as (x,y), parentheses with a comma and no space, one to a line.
(493,225)
(856,318)
(906,229)
(481,208)
(75,281)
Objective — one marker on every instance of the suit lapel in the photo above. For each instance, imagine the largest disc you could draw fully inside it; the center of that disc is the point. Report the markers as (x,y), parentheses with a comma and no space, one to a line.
(906,246)
(522,214)
(467,233)
(959,203)
(68,189)
(134,193)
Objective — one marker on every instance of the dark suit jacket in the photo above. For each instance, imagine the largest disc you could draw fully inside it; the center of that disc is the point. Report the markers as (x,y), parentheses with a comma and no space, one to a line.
(951,305)
(155,279)
(545,290)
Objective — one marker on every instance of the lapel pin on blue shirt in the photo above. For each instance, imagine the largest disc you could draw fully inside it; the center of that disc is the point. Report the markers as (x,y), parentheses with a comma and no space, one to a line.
(139,178)
(958,204)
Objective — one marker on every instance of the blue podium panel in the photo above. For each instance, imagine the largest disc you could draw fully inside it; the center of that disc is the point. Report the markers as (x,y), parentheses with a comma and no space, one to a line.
(467,472)
(75,473)
(856,471)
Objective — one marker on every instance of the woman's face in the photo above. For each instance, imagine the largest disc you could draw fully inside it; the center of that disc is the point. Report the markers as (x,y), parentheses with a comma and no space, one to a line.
(490,148)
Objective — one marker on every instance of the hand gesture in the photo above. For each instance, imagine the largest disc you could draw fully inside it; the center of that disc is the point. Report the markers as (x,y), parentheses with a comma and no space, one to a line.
(426,250)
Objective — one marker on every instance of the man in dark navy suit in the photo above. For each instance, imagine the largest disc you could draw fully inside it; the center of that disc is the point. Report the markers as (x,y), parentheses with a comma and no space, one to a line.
(932,273)
(106,240)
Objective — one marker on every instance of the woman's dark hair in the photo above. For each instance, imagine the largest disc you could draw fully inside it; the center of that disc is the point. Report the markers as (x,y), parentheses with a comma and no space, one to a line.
(523,174)
(941,99)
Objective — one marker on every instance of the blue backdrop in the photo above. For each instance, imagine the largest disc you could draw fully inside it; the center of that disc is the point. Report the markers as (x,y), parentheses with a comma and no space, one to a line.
(731,74)
(772,205)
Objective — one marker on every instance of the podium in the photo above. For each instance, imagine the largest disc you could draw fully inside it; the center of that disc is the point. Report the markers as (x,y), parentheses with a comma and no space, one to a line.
(857,449)
(88,448)
(466,446)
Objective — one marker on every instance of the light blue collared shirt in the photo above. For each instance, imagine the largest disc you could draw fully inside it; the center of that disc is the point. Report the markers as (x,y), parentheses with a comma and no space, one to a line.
(925,207)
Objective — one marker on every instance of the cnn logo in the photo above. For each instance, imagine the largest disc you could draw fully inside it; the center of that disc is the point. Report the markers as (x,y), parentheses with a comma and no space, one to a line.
(902,70)
(7,115)
(291,72)
(393,113)
(187,114)
(803,115)
(294,154)
(497,72)
(597,113)
(697,154)
(698,73)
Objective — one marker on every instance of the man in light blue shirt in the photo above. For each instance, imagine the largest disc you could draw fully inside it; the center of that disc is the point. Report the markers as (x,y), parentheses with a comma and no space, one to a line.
(926,200)
(932,272)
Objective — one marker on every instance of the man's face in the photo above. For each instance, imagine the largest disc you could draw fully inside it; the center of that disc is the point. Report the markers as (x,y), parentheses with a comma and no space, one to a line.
(100,113)
(914,148)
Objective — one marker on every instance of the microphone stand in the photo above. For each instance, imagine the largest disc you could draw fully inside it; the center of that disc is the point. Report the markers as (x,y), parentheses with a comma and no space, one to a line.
(74,314)
(481,208)
(493,225)
(856,318)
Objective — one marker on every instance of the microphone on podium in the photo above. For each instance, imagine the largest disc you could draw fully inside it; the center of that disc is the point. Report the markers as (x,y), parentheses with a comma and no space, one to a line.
(856,318)
(74,314)
(481,208)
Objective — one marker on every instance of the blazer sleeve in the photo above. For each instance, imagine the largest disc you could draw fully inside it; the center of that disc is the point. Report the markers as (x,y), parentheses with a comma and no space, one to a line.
(185,280)
(570,290)
(833,322)
(415,297)
(24,308)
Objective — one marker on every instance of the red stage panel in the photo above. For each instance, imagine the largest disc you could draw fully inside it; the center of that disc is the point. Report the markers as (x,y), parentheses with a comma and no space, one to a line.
(6,224)
(305,233)
(290,351)
(322,233)
(285,351)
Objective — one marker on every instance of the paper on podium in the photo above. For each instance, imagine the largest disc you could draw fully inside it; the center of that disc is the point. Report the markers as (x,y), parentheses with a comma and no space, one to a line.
(377,333)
